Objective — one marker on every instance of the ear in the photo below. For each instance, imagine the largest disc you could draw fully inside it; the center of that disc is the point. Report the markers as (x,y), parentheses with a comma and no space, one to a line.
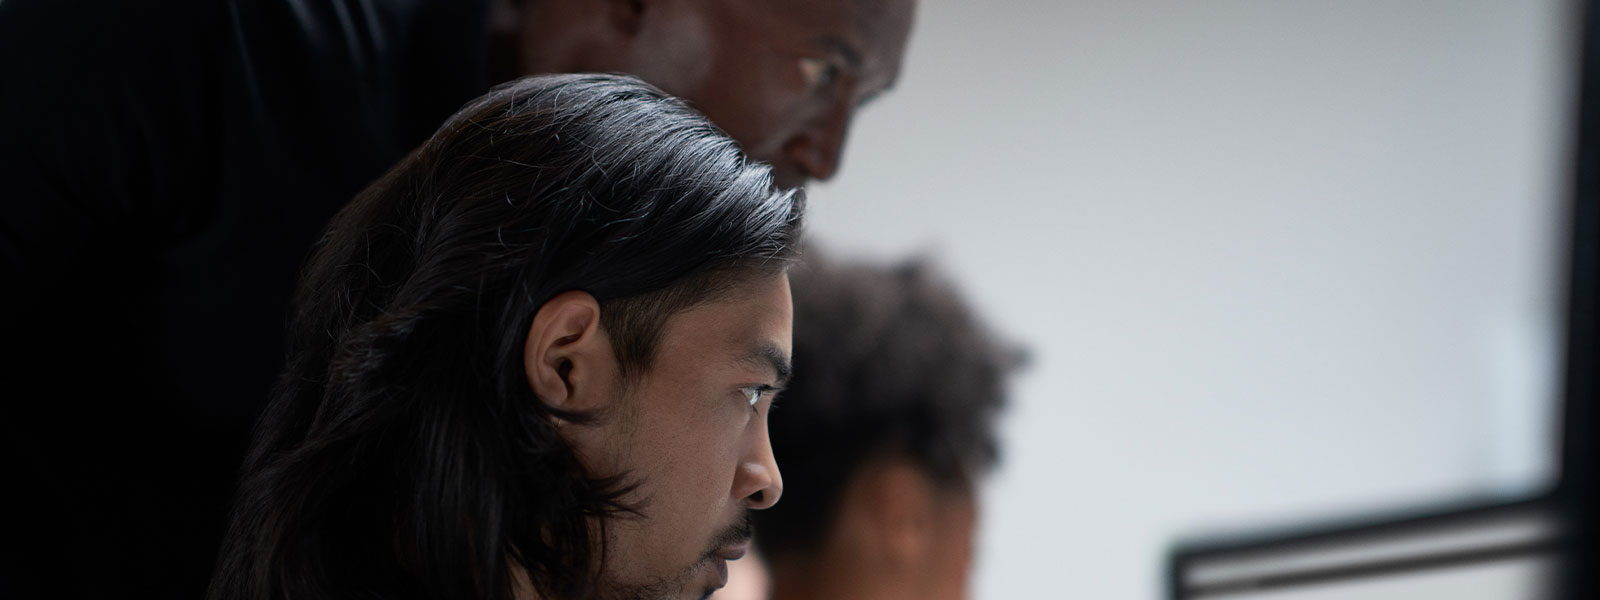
(900,501)
(567,358)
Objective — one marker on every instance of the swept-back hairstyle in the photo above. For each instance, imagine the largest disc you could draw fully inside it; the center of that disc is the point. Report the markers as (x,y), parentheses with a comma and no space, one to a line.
(889,362)
(403,454)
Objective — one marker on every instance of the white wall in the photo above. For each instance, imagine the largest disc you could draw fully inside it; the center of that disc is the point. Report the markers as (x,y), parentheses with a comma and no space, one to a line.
(1275,259)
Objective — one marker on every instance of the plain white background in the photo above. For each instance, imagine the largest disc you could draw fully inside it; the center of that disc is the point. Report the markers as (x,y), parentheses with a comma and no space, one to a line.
(1275,259)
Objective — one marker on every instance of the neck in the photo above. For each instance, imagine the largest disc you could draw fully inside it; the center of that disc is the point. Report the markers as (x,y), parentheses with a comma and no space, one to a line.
(830,577)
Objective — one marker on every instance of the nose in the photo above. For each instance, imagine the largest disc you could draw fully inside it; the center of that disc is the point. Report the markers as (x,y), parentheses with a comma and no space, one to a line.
(816,150)
(758,481)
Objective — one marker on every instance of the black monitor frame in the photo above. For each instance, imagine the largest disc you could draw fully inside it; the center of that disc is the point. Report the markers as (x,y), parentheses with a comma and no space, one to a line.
(1580,469)
(1575,498)
(1364,530)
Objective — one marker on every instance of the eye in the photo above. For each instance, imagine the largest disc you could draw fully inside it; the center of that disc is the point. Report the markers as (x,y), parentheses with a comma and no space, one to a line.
(818,72)
(753,394)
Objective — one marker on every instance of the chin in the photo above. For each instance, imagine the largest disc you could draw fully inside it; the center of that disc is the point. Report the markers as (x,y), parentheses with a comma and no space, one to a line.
(784,179)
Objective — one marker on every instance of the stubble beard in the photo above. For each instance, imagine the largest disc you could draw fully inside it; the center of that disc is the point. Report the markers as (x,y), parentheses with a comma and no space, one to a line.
(672,587)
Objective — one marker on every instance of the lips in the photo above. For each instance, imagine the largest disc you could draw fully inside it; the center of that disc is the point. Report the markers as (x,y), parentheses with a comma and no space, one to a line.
(733,551)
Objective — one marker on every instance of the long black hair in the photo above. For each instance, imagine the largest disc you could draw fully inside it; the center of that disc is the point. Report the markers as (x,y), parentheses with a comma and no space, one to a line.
(403,454)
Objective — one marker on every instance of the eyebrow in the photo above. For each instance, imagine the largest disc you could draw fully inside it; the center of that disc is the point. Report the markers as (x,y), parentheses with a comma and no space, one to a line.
(843,47)
(769,356)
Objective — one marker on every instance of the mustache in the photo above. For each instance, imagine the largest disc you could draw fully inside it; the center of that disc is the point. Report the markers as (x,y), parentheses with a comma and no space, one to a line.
(740,531)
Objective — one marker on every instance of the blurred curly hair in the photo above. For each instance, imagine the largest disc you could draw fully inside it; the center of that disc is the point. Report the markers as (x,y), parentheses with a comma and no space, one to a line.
(888,361)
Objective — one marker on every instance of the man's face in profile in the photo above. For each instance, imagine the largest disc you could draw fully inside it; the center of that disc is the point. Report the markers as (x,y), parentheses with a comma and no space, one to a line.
(781,76)
(692,432)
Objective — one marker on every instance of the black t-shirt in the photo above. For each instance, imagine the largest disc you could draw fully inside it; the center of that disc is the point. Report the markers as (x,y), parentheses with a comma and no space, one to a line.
(164,169)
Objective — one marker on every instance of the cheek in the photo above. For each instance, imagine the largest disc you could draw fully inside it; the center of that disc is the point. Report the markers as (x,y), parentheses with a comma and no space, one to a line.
(687,483)
(754,105)
(603,450)
(958,564)
(714,455)
(693,461)
(676,53)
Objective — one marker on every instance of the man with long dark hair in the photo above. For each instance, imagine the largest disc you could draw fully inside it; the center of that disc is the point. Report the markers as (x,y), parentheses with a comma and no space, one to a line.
(534,360)
(166,166)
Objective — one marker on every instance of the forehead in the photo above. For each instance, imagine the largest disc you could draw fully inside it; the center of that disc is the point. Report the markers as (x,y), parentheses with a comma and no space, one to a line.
(875,18)
(747,319)
(875,30)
